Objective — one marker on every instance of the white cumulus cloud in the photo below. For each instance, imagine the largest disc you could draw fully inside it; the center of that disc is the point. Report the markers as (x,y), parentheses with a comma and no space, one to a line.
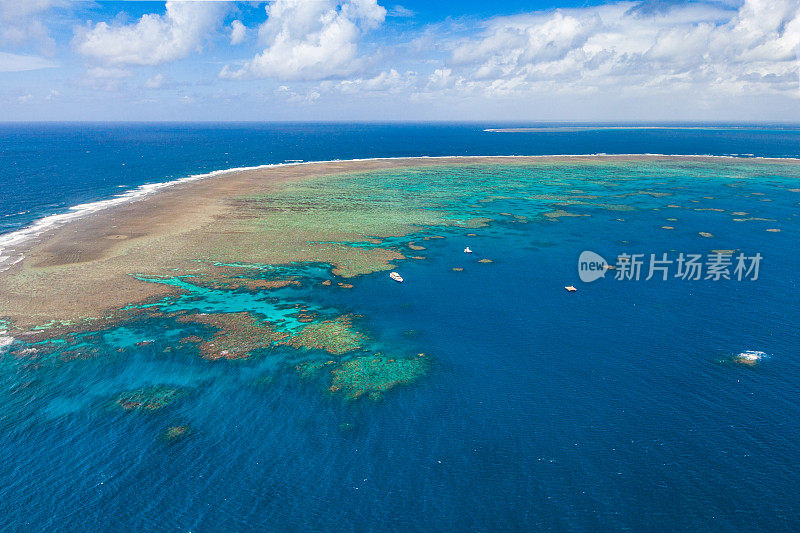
(22,22)
(751,49)
(389,81)
(238,32)
(153,39)
(310,40)
(307,97)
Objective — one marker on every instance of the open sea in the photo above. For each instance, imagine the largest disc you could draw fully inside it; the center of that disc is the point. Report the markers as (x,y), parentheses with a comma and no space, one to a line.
(621,406)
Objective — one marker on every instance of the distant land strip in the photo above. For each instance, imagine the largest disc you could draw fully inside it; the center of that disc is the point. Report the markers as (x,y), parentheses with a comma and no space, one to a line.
(594,128)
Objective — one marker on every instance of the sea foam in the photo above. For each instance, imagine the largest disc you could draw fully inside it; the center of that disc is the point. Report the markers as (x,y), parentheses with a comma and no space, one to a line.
(5,340)
(10,256)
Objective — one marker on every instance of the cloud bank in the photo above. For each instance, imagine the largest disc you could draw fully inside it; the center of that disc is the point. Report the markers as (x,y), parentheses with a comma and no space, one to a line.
(154,39)
(299,59)
(617,46)
(310,40)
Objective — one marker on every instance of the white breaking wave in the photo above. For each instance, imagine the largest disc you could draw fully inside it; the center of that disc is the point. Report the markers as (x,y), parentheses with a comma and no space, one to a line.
(9,256)
(5,340)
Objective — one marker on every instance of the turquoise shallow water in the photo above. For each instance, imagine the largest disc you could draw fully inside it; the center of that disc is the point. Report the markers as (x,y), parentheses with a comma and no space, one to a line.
(618,406)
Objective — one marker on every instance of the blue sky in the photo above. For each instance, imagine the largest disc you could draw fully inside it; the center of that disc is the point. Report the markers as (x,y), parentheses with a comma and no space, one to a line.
(410,60)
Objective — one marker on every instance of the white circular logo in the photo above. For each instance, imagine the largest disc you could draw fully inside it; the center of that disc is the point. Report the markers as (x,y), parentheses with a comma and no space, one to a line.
(591,266)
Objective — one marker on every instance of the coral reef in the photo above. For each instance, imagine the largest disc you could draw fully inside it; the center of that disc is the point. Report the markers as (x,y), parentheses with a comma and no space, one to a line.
(238,335)
(240,277)
(375,374)
(335,336)
(174,433)
(149,398)
(309,369)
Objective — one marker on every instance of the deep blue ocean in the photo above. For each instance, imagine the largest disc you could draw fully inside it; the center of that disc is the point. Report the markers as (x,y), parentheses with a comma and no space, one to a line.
(618,407)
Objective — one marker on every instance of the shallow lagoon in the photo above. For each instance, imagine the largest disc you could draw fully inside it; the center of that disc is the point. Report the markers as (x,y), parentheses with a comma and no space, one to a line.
(619,406)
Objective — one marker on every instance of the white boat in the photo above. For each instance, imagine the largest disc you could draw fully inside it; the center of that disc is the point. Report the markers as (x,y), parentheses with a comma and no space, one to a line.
(467,250)
(397,277)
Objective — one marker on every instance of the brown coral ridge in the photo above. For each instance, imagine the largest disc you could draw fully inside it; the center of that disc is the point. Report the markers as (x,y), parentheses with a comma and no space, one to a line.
(336,336)
(238,336)
(305,316)
(234,278)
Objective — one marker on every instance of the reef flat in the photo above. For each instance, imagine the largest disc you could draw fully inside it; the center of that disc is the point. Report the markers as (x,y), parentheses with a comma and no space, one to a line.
(84,268)
(285,214)
(259,265)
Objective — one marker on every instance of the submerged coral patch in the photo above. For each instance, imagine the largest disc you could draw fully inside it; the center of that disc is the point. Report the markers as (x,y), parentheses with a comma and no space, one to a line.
(375,374)
(309,369)
(558,213)
(149,398)
(174,433)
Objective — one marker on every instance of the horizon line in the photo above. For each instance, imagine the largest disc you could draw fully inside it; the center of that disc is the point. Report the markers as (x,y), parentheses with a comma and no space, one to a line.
(401,121)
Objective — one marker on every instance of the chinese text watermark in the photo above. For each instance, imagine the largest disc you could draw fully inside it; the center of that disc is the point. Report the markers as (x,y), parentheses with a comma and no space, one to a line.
(678,265)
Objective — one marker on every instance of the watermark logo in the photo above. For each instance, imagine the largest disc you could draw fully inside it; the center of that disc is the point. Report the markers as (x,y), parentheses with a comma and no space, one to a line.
(684,266)
(591,266)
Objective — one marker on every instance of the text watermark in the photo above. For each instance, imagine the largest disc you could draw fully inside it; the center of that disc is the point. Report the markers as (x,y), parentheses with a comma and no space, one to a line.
(677,265)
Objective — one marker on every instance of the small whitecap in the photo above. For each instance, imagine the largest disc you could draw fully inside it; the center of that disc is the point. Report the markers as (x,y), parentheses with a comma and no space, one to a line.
(750,357)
